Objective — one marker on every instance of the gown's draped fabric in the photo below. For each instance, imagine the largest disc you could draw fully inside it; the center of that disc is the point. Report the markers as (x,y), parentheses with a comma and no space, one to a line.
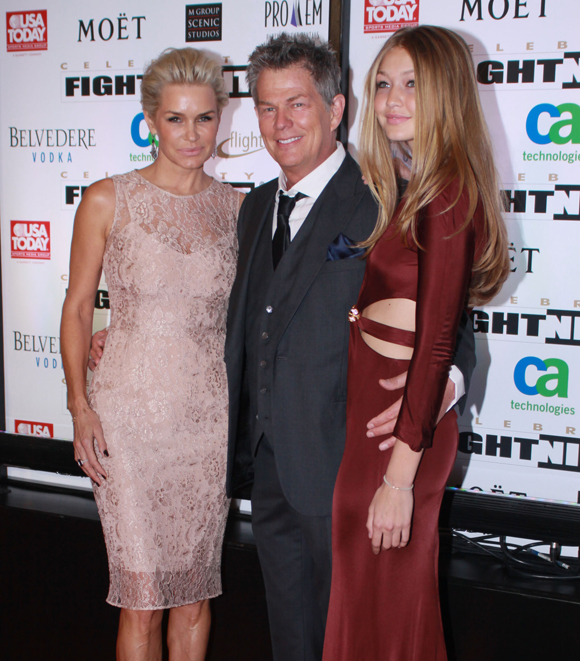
(160,392)
(386,607)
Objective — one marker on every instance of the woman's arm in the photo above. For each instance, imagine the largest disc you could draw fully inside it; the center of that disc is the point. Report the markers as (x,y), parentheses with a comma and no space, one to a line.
(93,222)
(443,278)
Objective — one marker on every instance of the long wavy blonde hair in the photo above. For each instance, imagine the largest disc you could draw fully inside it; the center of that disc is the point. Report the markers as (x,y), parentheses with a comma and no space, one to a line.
(451,142)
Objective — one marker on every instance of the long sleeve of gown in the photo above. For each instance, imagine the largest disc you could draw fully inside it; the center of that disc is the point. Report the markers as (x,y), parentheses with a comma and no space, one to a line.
(445,261)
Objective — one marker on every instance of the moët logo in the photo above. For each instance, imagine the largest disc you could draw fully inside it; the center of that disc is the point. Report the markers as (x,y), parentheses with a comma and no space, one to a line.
(557,380)
(559,133)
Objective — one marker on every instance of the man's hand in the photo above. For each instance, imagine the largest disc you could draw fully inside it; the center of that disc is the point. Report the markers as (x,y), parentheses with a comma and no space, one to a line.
(96,351)
(384,423)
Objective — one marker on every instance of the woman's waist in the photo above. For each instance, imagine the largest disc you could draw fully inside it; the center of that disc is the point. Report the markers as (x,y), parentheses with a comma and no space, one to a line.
(166,325)
(389,320)
(127,345)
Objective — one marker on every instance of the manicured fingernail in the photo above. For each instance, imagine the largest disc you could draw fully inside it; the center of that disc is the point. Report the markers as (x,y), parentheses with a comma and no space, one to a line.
(370,434)
(106,453)
(370,425)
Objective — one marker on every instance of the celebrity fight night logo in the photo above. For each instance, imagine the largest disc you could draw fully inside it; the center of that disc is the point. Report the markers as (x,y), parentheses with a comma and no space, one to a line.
(390,15)
(30,239)
(26,30)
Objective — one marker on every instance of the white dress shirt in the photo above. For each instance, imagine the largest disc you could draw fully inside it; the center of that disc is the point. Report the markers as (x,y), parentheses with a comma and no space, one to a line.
(312,186)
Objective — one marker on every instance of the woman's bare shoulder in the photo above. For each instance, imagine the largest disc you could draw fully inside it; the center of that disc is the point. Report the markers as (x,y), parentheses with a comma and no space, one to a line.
(100,196)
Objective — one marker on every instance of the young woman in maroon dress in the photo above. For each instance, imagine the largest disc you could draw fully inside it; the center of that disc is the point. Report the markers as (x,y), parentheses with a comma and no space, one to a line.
(439,246)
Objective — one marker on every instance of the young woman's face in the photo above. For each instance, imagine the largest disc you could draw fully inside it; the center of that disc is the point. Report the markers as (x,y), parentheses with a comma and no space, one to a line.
(395,96)
(186,124)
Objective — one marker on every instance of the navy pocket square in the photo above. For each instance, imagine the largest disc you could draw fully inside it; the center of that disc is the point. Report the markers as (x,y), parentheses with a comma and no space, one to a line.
(343,248)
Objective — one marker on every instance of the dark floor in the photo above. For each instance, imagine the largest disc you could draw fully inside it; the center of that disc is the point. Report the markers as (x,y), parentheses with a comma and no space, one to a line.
(53,583)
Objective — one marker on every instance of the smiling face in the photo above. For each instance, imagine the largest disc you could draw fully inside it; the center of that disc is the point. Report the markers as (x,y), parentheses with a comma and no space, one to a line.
(186,124)
(395,96)
(297,127)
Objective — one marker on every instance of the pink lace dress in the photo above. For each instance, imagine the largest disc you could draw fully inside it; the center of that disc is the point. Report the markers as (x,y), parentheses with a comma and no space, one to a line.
(160,392)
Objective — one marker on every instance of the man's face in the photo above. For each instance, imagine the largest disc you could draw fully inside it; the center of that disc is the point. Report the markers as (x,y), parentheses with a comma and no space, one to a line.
(297,127)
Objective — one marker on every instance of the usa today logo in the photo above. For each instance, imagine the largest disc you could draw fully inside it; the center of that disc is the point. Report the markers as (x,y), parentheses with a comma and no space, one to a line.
(546,378)
(138,129)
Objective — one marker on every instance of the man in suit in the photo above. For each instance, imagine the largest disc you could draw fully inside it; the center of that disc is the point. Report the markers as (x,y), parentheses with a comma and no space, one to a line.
(287,342)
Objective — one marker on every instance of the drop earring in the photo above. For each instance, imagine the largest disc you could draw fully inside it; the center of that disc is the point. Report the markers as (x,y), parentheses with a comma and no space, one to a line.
(214,152)
(154,152)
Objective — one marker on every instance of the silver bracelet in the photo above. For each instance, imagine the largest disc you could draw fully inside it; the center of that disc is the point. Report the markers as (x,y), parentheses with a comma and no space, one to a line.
(397,488)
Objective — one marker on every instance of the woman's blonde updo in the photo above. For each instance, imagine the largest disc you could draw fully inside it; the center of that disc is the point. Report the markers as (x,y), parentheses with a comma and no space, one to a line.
(181,66)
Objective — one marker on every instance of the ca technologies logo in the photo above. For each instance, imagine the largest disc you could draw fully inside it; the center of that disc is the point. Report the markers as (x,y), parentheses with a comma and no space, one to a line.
(540,381)
(540,387)
(561,132)
(138,128)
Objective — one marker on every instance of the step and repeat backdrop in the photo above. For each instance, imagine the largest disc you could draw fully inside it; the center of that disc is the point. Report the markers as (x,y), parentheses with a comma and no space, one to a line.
(70,115)
(521,431)
(70,76)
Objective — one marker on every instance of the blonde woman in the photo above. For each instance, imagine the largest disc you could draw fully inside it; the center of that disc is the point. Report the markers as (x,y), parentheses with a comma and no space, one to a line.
(439,246)
(152,433)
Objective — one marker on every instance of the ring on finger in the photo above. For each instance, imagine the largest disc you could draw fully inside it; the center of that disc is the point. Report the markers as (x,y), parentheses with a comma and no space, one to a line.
(80,462)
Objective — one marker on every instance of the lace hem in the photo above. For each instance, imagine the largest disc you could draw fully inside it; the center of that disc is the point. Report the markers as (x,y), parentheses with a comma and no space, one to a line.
(160,590)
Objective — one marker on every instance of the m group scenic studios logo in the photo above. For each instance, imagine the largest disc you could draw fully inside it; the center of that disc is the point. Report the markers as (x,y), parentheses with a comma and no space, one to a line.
(203,22)
(26,31)
(547,378)
(34,428)
(390,15)
(30,239)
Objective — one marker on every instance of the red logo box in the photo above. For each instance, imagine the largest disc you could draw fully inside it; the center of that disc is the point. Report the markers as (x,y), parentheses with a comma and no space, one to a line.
(390,15)
(26,30)
(30,239)
(34,428)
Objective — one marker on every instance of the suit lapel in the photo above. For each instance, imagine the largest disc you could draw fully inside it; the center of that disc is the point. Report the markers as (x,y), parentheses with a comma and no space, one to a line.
(328,217)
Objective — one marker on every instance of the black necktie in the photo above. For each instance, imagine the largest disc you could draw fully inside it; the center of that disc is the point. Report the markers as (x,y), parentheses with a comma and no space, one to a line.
(281,239)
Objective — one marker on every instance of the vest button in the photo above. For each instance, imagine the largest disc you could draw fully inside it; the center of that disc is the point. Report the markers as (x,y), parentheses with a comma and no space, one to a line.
(263,390)
(263,363)
(265,335)
(269,309)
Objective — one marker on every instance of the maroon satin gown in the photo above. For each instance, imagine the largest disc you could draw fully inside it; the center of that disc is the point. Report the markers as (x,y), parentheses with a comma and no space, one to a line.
(386,607)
